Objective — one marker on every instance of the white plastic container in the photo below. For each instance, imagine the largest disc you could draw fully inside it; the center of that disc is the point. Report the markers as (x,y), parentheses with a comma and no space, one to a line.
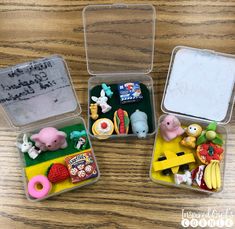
(199,89)
(39,94)
(119,43)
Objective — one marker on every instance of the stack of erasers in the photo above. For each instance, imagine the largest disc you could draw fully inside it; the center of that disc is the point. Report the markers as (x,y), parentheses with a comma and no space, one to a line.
(103,128)
(207,152)
(77,167)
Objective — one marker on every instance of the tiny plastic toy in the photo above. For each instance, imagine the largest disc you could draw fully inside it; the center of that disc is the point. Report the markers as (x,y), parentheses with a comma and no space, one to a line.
(49,138)
(81,167)
(173,162)
(94,111)
(197,176)
(103,127)
(210,135)
(212,175)
(139,123)
(193,131)
(170,128)
(121,121)
(81,143)
(102,102)
(77,134)
(27,147)
(130,92)
(57,172)
(80,139)
(39,187)
(183,178)
(107,90)
(209,151)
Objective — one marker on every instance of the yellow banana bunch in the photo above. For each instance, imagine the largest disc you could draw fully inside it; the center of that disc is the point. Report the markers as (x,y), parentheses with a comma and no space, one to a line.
(212,176)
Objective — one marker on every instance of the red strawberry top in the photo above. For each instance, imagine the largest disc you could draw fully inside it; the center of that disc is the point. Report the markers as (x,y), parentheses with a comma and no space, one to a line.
(57,172)
(104,125)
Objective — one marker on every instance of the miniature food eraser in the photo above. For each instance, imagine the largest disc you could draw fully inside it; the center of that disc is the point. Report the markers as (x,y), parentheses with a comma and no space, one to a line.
(49,138)
(170,128)
(44,187)
(212,175)
(57,172)
(209,151)
(103,127)
(81,166)
(210,134)
(121,121)
(129,92)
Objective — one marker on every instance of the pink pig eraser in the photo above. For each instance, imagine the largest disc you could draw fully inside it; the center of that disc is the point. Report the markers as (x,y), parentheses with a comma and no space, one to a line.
(49,138)
(171,128)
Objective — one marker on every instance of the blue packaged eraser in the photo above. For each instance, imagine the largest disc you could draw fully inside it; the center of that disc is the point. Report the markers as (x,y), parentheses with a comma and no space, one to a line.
(130,92)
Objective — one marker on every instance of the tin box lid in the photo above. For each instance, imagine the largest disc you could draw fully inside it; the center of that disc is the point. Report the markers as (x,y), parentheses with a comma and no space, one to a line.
(119,38)
(201,84)
(37,91)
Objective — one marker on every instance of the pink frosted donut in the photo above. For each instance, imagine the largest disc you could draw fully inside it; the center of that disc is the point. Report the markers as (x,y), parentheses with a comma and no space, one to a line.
(43,182)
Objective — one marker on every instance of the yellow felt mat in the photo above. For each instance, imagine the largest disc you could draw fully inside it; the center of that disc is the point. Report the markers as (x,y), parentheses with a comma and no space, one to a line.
(41,169)
(162,146)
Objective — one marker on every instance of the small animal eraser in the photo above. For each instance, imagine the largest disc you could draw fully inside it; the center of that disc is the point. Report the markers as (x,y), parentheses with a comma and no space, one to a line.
(49,138)
(102,101)
(27,147)
(130,92)
(139,123)
(170,128)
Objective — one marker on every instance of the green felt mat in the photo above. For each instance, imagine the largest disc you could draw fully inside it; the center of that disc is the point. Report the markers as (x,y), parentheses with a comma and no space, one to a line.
(143,105)
(48,155)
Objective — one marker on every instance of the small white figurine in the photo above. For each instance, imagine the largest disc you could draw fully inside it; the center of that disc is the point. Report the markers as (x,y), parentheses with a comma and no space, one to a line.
(183,178)
(81,142)
(27,147)
(102,102)
(139,124)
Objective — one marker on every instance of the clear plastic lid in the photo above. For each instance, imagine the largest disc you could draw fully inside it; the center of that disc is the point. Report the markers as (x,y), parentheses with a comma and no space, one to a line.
(119,38)
(35,91)
(201,84)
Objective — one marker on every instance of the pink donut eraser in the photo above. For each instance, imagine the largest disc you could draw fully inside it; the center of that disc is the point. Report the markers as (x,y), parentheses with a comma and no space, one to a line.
(39,193)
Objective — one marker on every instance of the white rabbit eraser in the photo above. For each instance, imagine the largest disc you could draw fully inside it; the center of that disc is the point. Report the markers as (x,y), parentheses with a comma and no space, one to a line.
(102,102)
(27,147)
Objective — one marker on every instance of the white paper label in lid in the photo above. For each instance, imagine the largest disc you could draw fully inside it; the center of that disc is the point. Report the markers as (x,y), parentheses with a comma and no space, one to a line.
(200,84)
(34,91)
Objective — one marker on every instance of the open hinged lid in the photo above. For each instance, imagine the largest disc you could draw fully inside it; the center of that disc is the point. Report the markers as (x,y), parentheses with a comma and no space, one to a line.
(37,91)
(119,38)
(200,83)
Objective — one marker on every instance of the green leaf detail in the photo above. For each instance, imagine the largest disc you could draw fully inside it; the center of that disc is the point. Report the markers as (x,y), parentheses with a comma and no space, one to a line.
(218,141)
(212,126)
(49,168)
(201,139)
(117,120)
(126,121)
